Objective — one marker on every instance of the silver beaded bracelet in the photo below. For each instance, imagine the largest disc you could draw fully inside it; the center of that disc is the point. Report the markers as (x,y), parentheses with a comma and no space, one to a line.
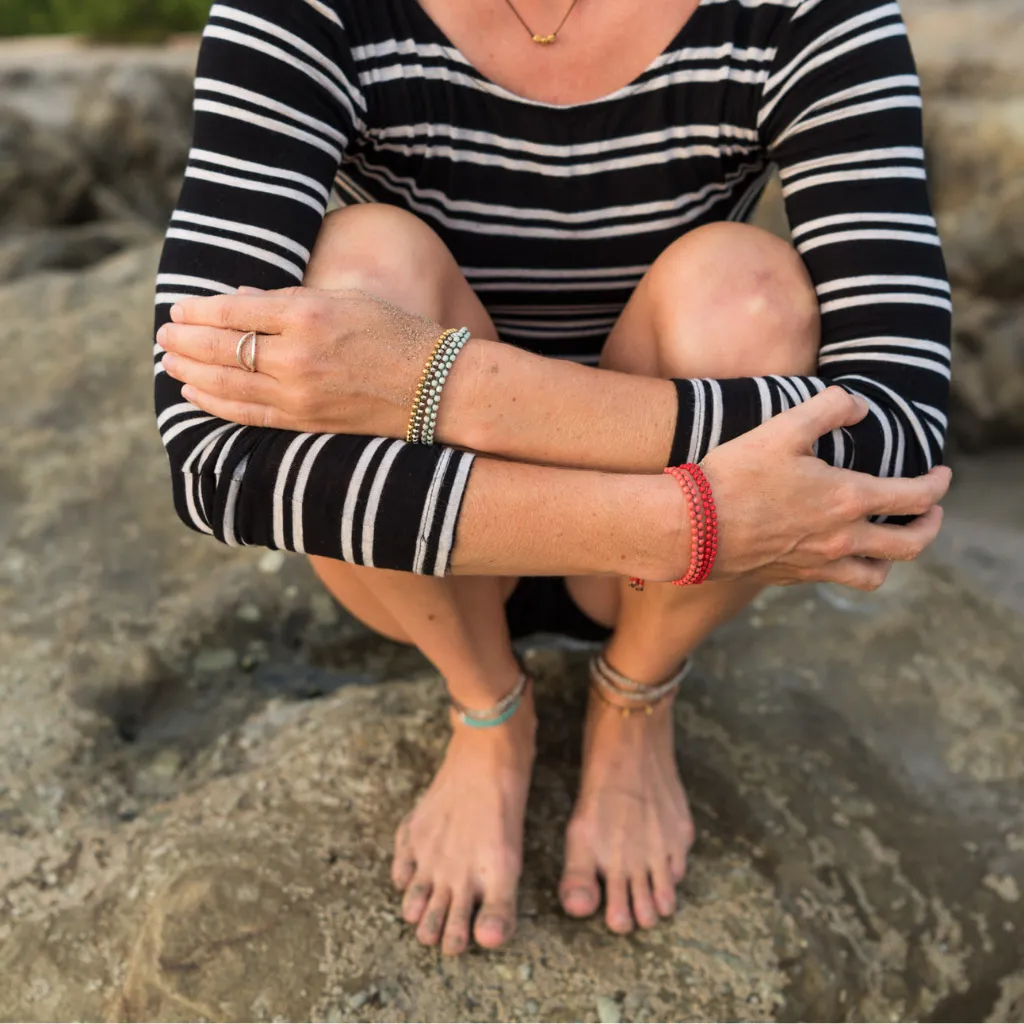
(423,419)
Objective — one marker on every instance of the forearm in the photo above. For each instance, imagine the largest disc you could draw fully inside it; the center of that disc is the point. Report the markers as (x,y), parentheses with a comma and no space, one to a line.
(522,520)
(504,401)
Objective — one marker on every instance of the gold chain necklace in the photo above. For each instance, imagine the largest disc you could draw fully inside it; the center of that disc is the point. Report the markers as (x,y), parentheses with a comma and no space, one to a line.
(535,36)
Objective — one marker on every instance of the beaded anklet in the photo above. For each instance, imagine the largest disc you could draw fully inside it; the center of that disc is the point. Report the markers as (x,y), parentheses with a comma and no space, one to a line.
(423,418)
(490,717)
(627,695)
(700,504)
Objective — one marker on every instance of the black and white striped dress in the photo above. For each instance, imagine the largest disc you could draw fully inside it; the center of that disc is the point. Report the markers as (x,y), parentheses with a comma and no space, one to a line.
(553,213)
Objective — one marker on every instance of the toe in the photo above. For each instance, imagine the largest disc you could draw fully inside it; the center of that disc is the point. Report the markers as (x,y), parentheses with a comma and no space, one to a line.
(432,923)
(579,889)
(664,888)
(414,902)
(617,914)
(580,893)
(404,864)
(643,902)
(495,923)
(677,864)
(456,931)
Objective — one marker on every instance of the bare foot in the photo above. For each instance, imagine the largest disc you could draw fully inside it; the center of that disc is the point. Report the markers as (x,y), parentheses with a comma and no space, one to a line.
(631,824)
(462,844)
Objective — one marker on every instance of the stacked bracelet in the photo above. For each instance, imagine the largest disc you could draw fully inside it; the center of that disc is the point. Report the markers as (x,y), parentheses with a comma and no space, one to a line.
(497,715)
(423,418)
(627,695)
(700,504)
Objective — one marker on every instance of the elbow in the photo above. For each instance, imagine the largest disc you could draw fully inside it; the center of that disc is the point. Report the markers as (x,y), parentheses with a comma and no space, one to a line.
(190,502)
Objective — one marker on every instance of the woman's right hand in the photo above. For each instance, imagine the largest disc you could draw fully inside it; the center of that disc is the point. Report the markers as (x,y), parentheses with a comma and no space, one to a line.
(784,516)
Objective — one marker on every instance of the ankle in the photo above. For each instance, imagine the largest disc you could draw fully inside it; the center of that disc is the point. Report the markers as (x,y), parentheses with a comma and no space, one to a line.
(646,664)
(519,727)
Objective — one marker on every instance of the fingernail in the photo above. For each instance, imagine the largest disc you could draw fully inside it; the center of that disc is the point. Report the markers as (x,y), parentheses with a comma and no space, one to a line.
(176,313)
(188,392)
(169,359)
(161,335)
(862,404)
(248,289)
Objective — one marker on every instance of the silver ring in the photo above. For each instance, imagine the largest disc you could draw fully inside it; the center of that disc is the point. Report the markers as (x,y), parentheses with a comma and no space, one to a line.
(240,354)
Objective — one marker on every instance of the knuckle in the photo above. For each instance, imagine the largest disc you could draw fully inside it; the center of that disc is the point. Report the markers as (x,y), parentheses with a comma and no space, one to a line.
(210,347)
(222,381)
(839,546)
(310,315)
(304,400)
(849,501)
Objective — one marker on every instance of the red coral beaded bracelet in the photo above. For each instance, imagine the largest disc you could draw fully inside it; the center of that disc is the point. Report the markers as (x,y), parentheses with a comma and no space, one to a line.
(700,504)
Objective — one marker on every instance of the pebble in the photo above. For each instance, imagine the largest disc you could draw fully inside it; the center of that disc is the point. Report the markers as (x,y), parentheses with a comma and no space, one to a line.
(608,1010)
(272,562)
(525,972)
(1004,886)
(161,770)
(249,613)
(531,1008)
(219,659)
(325,611)
(357,1000)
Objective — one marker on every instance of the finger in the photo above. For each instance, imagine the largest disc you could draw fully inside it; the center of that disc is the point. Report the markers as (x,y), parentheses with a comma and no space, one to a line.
(219,348)
(910,496)
(247,413)
(264,313)
(897,543)
(802,425)
(858,573)
(228,382)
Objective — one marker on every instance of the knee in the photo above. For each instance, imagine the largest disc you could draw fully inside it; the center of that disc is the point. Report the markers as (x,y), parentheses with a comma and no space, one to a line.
(731,300)
(384,250)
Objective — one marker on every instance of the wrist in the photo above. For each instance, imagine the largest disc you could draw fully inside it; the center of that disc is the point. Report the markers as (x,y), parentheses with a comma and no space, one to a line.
(656,521)
(466,416)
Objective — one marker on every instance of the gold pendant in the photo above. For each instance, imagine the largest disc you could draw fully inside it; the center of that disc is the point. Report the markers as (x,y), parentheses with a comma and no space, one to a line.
(544,40)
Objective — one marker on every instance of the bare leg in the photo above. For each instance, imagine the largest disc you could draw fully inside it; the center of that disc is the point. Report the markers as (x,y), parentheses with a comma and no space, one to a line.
(462,843)
(724,301)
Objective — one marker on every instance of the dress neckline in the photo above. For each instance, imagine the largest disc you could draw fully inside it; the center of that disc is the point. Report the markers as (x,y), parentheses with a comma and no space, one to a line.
(490,86)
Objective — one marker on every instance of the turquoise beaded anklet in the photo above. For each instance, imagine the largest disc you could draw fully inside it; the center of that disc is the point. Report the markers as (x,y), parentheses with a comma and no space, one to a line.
(423,419)
(498,715)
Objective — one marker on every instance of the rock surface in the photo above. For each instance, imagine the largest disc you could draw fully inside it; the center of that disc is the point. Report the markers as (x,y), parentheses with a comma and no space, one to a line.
(202,760)
(92,133)
(969,59)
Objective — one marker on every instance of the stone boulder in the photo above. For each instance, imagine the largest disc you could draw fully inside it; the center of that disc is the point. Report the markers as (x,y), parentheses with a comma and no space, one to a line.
(202,760)
(43,179)
(91,133)
(969,55)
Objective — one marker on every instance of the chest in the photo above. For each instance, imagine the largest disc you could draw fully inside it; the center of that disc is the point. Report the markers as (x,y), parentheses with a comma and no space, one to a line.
(601,46)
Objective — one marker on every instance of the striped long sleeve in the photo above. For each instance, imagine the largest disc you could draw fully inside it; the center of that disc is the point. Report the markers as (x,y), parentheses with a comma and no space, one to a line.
(840,116)
(277,102)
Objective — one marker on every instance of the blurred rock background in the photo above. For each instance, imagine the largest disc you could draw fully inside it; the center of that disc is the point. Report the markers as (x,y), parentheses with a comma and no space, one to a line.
(200,766)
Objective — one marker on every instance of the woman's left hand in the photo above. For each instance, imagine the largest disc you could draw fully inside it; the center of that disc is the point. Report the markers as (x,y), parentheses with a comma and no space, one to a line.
(339,362)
